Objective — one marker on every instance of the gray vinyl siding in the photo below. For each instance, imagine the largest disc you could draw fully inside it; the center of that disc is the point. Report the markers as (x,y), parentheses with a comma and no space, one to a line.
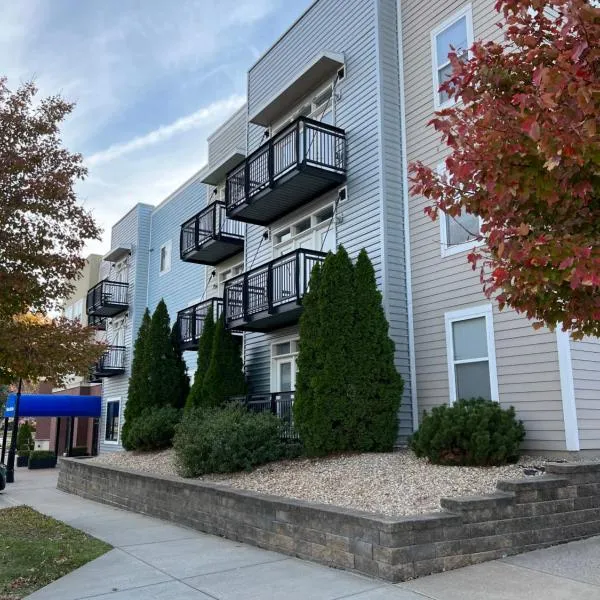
(585,357)
(367,102)
(527,360)
(184,284)
(132,230)
(392,208)
(231,136)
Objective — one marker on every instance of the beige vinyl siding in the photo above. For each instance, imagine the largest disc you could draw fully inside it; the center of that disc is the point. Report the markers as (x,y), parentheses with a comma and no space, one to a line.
(585,356)
(527,360)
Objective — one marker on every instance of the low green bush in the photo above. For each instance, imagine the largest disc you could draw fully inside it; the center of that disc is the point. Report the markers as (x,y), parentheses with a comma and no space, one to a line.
(153,429)
(224,440)
(473,432)
(41,454)
(24,453)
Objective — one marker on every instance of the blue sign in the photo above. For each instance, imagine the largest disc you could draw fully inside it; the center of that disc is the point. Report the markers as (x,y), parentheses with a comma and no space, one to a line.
(53,405)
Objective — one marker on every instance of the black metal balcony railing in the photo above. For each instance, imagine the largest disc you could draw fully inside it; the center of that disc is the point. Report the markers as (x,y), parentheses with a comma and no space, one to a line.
(190,321)
(107,298)
(98,323)
(270,296)
(278,403)
(301,162)
(111,363)
(210,237)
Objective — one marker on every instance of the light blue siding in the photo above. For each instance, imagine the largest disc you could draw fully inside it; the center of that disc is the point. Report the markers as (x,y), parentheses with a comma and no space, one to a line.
(230,137)
(133,230)
(367,107)
(184,283)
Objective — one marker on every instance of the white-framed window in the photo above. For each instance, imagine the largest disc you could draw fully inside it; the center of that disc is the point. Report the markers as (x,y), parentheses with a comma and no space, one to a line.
(113,421)
(116,333)
(460,233)
(319,105)
(471,353)
(455,32)
(314,231)
(224,274)
(164,265)
(284,353)
(120,270)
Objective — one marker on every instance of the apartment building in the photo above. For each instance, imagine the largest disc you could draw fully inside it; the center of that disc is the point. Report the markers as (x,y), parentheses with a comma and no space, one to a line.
(53,433)
(336,109)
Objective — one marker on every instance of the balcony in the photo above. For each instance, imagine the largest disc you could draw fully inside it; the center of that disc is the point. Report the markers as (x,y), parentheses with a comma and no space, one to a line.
(301,162)
(107,299)
(210,237)
(190,321)
(270,296)
(111,363)
(98,323)
(277,403)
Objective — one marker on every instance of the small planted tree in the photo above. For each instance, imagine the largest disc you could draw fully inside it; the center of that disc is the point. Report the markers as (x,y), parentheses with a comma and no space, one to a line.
(378,385)
(183,387)
(225,374)
(347,389)
(139,382)
(161,385)
(25,443)
(205,345)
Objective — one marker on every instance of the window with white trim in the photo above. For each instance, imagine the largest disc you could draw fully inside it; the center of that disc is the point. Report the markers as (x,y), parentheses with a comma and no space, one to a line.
(456,33)
(165,258)
(318,106)
(315,231)
(471,354)
(284,354)
(225,274)
(111,431)
(458,233)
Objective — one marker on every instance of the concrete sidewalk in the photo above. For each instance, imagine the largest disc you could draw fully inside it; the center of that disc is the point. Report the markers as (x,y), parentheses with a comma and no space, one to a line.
(153,559)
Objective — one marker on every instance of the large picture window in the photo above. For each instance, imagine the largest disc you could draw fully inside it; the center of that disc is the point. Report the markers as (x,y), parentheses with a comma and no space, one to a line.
(471,354)
(457,33)
(113,409)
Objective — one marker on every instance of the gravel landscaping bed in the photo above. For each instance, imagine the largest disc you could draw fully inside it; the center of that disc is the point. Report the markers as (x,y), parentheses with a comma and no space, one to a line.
(395,483)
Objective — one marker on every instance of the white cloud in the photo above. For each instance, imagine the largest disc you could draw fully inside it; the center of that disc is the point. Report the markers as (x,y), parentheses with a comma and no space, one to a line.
(212,114)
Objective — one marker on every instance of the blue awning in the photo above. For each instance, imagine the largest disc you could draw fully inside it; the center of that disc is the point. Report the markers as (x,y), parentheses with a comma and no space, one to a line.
(54,405)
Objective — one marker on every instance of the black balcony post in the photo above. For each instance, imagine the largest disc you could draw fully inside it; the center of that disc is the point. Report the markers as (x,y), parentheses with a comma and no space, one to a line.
(216,232)
(245,296)
(4,440)
(270,287)
(297,272)
(274,403)
(271,163)
(304,148)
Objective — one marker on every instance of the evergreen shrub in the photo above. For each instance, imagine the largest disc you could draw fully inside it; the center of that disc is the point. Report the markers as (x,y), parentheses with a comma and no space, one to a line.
(348,390)
(25,441)
(154,429)
(205,345)
(474,432)
(225,440)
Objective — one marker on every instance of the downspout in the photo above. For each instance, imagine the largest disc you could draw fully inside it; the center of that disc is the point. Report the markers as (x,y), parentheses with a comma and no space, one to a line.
(407,258)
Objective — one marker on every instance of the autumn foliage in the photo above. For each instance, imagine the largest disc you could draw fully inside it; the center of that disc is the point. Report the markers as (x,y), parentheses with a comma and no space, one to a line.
(525,156)
(43,230)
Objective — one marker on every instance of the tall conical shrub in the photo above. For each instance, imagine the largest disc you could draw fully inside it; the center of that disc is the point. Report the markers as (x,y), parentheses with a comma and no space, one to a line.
(330,316)
(182,390)
(377,384)
(163,367)
(139,381)
(347,388)
(225,374)
(205,345)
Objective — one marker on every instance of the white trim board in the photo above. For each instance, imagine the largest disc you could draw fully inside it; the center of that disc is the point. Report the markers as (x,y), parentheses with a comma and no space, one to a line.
(464,314)
(567,389)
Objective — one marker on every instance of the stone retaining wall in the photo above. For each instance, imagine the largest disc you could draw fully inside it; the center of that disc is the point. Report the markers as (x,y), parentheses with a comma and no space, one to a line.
(523,515)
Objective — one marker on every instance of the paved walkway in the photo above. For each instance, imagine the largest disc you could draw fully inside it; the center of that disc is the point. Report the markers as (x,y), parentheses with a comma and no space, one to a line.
(153,559)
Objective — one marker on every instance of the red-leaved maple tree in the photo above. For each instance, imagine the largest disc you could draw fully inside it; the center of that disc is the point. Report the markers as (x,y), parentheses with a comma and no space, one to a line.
(525,156)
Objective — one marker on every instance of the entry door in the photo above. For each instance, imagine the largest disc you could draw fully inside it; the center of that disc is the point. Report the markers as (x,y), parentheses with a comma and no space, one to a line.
(285,374)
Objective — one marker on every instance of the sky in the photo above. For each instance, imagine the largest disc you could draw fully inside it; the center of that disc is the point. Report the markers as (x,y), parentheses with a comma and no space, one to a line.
(151,80)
